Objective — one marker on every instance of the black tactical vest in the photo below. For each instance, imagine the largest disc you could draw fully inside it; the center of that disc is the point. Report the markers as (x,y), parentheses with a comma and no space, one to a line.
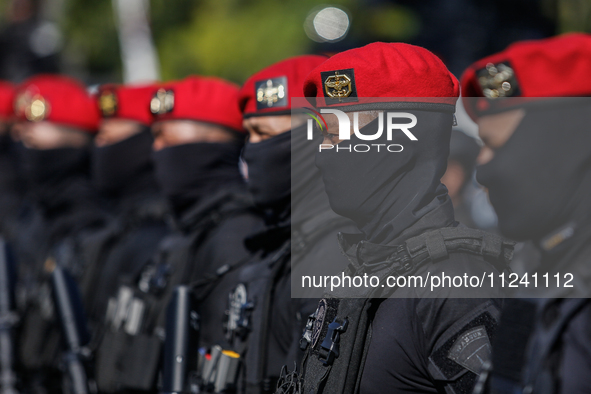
(337,336)
(128,356)
(249,306)
(98,246)
(40,338)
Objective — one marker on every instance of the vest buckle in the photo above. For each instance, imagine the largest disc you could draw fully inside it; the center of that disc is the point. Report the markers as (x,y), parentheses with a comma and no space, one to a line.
(330,347)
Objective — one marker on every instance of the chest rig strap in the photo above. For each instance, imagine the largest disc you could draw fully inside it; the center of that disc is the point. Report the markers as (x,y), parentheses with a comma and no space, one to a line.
(436,245)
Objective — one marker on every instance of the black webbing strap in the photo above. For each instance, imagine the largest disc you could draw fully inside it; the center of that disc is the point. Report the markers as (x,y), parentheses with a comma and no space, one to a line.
(436,248)
(437,244)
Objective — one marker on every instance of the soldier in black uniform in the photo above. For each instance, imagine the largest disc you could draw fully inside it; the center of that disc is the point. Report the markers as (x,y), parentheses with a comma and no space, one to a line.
(11,186)
(122,171)
(198,137)
(265,323)
(419,339)
(57,119)
(539,181)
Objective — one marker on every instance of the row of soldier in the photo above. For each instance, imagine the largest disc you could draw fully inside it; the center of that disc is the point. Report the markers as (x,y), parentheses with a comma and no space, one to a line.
(136,211)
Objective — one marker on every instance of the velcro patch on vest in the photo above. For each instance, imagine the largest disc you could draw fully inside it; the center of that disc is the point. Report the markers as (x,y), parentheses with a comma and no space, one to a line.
(317,327)
(468,349)
(327,311)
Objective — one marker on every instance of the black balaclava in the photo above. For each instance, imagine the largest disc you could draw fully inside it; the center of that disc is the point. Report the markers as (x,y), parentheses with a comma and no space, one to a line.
(385,193)
(269,177)
(281,171)
(187,173)
(117,168)
(5,141)
(540,179)
(60,186)
(49,166)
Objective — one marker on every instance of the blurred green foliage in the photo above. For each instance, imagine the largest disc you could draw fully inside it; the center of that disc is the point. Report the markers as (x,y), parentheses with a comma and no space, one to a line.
(233,38)
(226,38)
(573,15)
(91,40)
(392,22)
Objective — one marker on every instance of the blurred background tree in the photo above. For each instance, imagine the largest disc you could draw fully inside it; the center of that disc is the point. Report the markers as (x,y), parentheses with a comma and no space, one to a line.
(235,38)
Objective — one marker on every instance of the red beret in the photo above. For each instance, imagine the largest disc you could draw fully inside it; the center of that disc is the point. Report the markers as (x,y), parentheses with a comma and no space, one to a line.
(383,76)
(552,67)
(210,100)
(270,90)
(58,99)
(7,91)
(126,102)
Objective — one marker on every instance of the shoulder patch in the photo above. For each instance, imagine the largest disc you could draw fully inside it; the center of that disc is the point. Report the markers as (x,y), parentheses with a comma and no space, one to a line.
(471,349)
(467,349)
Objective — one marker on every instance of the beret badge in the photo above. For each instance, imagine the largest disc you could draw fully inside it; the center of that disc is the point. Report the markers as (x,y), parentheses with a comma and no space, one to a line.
(271,92)
(498,80)
(108,103)
(162,102)
(33,106)
(338,86)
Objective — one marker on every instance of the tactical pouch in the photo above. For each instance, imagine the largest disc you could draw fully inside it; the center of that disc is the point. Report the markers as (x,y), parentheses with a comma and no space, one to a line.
(127,359)
(40,340)
(109,369)
(141,361)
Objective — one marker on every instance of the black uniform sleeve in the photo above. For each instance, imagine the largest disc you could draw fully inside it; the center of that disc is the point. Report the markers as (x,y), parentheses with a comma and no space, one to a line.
(458,336)
(428,345)
(396,361)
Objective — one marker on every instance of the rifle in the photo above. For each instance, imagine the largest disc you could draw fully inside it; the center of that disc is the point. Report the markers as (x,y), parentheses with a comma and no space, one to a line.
(180,347)
(8,320)
(72,319)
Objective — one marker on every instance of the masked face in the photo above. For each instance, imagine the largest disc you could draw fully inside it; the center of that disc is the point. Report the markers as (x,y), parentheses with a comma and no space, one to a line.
(281,167)
(269,169)
(52,165)
(188,172)
(117,165)
(537,180)
(385,192)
